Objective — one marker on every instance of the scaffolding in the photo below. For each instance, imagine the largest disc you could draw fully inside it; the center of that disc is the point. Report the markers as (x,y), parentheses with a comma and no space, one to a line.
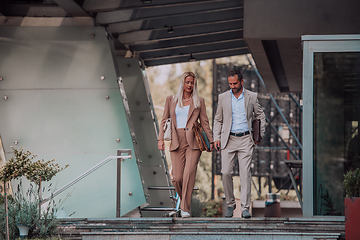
(282,139)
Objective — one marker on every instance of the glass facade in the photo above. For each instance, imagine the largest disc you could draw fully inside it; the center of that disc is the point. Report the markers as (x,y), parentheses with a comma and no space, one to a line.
(336,113)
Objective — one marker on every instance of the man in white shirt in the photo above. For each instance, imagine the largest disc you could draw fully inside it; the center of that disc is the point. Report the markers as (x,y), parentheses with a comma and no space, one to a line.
(236,110)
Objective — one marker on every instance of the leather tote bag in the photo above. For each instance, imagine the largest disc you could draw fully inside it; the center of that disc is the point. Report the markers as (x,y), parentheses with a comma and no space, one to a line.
(201,138)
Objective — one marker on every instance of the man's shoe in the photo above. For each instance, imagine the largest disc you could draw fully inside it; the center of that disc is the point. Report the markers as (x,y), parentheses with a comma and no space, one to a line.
(230,212)
(245,214)
(185,214)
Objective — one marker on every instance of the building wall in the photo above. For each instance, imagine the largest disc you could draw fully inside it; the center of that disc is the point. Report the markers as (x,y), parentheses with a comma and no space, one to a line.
(64,102)
(282,23)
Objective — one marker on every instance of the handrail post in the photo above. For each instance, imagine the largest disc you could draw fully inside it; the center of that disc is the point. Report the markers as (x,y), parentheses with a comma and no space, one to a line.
(118,176)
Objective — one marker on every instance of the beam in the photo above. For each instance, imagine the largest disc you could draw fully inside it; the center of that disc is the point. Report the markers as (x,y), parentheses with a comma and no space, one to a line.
(274,58)
(163,12)
(189,41)
(198,57)
(72,8)
(111,5)
(180,32)
(224,45)
(194,19)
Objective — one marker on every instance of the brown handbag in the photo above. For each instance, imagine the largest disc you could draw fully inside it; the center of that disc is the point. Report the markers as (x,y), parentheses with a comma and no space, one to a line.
(201,138)
(256,130)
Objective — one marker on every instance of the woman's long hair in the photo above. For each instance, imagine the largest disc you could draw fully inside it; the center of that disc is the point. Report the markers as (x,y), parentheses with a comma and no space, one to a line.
(195,96)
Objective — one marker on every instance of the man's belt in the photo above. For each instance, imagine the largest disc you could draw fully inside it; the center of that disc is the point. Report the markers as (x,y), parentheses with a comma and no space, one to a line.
(239,134)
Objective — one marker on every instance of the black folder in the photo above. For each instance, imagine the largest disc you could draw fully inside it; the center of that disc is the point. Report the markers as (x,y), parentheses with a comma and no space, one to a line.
(256,130)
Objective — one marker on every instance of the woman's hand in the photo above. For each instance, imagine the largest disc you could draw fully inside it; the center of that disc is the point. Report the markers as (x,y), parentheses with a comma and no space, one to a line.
(217,145)
(161,145)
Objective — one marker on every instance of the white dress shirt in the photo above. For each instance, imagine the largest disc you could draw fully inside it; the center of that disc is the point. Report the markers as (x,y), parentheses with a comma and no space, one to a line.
(239,123)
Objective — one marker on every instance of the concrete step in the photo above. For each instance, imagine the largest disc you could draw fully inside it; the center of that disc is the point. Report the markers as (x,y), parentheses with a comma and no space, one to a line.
(176,228)
(216,236)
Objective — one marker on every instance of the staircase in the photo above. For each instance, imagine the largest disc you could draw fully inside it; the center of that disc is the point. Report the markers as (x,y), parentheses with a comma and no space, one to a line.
(202,228)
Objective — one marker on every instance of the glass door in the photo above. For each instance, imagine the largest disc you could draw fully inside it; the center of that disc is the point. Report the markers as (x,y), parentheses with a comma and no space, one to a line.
(331,86)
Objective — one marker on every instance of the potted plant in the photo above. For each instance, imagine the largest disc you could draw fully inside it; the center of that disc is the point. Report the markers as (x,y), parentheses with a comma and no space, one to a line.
(352,204)
(14,168)
(26,211)
(26,207)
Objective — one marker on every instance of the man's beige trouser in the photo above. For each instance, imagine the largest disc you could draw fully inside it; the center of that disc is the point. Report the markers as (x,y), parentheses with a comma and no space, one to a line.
(243,147)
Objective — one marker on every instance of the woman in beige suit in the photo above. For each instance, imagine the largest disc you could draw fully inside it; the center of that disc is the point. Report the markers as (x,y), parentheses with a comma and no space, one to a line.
(184,109)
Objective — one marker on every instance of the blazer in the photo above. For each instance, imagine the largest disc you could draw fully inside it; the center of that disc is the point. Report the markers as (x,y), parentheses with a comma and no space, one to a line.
(223,116)
(194,115)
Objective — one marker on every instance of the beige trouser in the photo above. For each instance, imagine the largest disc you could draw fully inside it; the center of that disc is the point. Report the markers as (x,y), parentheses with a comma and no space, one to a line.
(243,147)
(184,162)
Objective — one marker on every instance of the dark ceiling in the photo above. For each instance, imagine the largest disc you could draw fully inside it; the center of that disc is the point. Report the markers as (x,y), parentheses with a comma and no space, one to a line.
(157,32)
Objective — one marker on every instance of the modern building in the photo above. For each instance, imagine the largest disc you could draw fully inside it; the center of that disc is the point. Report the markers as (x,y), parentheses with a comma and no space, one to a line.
(72,87)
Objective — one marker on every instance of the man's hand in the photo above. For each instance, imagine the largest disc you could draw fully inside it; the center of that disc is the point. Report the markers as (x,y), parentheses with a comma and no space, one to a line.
(259,141)
(217,145)
(161,145)
(211,147)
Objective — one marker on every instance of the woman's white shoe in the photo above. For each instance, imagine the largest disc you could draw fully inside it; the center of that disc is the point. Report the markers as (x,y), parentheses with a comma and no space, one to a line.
(185,214)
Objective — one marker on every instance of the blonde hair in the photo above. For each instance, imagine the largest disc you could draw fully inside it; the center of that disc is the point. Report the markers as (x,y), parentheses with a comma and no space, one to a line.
(195,96)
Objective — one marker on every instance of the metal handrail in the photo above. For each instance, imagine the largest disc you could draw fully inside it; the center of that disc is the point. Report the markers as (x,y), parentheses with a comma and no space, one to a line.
(165,188)
(276,105)
(82,176)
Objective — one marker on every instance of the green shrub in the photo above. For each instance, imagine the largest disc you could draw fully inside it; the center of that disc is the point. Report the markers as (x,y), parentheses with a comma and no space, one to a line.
(24,209)
(213,208)
(197,207)
(13,231)
(352,183)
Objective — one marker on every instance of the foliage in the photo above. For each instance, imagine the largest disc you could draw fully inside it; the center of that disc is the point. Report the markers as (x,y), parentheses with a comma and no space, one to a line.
(197,207)
(16,166)
(213,208)
(48,223)
(21,165)
(352,183)
(42,170)
(328,203)
(13,231)
(24,209)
